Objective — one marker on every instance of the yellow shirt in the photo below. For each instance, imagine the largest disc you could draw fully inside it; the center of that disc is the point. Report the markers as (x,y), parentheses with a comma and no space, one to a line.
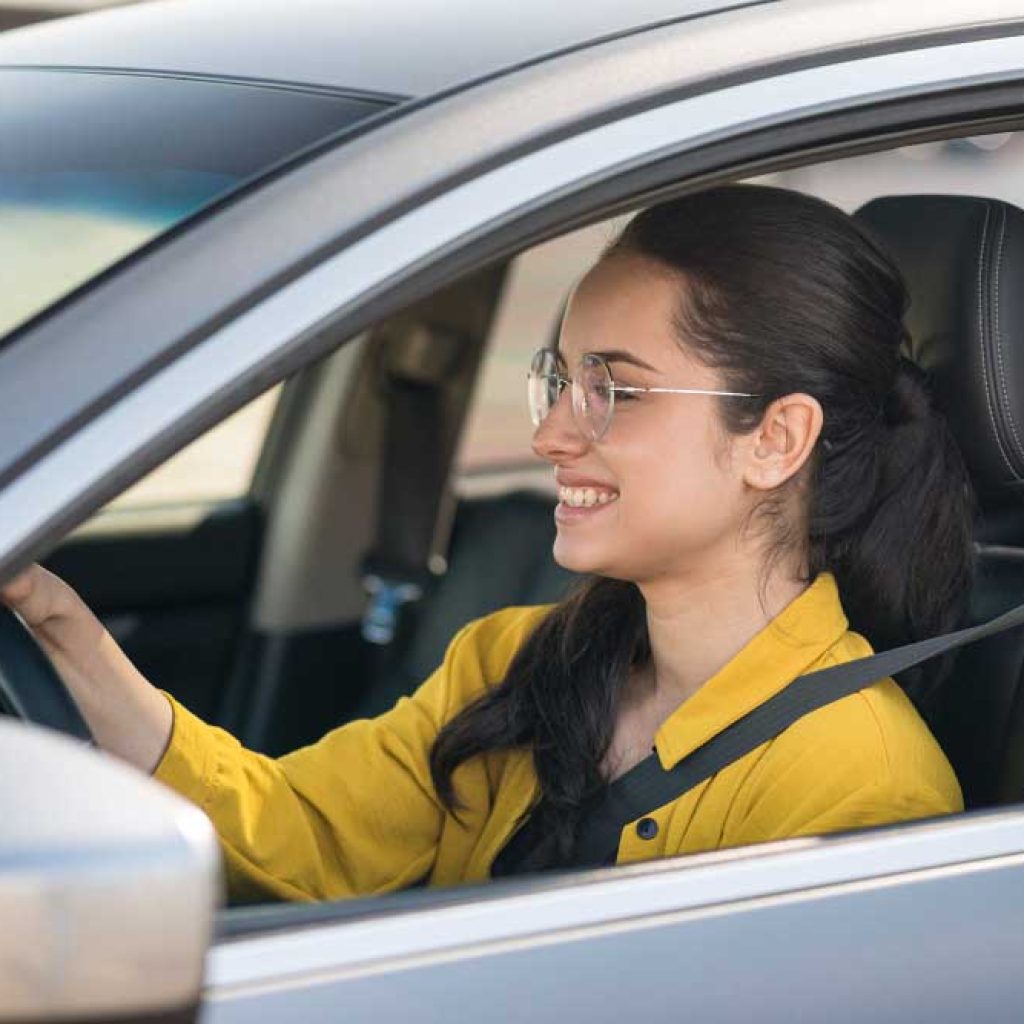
(356,813)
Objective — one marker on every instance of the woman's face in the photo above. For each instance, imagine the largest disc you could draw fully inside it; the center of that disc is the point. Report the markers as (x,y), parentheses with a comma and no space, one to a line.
(667,476)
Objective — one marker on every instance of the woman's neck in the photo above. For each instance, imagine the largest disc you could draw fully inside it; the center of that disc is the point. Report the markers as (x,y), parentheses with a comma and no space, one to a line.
(697,625)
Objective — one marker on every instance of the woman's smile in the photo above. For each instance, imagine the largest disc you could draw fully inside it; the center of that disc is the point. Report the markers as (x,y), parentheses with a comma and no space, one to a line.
(576,504)
(581,497)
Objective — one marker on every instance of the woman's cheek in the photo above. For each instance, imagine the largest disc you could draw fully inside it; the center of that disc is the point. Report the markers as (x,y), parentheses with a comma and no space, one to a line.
(685,513)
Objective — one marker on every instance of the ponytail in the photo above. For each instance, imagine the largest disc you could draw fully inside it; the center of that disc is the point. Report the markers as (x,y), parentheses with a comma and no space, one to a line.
(892,518)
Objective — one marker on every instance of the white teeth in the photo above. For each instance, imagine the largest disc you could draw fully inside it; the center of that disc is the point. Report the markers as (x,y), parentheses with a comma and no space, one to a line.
(585,497)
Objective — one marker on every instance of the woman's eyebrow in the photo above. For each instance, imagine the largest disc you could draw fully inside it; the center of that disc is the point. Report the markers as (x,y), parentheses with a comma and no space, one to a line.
(616,355)
(619,356)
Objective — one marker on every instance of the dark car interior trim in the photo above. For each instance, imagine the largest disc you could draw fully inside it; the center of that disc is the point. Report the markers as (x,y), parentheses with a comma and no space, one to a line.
(173,585)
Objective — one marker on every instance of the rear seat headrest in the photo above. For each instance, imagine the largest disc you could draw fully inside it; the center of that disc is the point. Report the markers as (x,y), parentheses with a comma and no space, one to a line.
(963,261)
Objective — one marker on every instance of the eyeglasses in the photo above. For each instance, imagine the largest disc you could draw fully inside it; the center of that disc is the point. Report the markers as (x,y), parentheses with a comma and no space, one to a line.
(593,390)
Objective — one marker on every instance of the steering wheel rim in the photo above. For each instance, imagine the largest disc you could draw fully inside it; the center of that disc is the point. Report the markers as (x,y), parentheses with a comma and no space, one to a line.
(30,688)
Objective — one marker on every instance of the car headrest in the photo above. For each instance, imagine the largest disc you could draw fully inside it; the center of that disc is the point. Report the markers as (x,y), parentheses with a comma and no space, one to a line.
(963,261)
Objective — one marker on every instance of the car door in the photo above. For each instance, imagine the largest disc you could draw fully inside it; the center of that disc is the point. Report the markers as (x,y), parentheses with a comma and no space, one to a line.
(877,925)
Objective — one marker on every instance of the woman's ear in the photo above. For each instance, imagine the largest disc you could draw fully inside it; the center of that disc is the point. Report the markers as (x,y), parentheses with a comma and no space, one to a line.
(783,441)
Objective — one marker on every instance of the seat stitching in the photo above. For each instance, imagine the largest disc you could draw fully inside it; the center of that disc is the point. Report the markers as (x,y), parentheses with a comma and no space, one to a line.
(981,338)
(1001,371)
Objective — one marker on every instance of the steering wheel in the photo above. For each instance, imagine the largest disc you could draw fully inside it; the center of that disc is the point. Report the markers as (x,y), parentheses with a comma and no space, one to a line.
(30,687)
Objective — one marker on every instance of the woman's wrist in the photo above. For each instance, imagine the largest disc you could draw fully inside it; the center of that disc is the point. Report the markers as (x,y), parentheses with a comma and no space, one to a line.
(128,716)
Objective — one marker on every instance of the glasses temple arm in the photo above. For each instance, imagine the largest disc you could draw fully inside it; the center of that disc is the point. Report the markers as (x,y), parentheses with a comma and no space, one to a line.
(683,391)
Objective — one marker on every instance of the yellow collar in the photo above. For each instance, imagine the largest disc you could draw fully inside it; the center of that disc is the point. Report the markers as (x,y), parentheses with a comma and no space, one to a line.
(796,638)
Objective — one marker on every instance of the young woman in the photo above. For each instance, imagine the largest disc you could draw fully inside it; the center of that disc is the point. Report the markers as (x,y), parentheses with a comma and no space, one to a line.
(748,472)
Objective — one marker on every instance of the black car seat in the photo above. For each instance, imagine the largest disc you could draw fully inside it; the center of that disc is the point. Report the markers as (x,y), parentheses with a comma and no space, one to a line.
(961,256)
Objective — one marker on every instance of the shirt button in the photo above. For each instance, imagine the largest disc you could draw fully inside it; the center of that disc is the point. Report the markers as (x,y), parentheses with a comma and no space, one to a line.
(646,828)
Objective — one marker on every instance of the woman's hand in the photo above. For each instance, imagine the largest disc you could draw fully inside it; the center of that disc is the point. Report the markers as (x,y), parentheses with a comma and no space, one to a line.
(127,715)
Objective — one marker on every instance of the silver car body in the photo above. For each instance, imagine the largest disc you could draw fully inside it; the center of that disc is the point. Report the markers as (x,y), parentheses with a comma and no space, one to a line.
(914,922)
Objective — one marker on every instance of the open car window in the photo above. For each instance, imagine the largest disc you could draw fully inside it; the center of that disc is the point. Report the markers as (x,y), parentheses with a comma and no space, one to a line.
(493,464)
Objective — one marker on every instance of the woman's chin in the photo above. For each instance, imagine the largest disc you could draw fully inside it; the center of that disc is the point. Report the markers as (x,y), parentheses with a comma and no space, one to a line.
(579,558)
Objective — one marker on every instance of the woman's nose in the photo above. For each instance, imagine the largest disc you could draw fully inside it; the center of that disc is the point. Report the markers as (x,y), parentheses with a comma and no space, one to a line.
(558,437)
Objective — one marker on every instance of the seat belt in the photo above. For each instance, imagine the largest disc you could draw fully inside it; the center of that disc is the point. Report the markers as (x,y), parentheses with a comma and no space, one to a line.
(414,506)
(647,786)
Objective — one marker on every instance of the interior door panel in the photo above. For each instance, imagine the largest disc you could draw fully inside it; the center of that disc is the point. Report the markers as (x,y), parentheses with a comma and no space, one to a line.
(172,583)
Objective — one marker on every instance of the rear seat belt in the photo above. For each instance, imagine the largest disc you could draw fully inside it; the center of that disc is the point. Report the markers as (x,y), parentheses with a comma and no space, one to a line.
(414,507)
(646,787)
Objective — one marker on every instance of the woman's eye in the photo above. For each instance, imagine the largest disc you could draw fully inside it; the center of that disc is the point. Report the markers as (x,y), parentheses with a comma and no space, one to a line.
(625,396)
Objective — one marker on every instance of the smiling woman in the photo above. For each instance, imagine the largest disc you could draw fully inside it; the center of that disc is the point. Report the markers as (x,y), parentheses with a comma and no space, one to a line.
(770,480)
(808,457)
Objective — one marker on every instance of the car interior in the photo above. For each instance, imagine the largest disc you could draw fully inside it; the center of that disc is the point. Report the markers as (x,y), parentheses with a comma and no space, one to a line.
(405,456)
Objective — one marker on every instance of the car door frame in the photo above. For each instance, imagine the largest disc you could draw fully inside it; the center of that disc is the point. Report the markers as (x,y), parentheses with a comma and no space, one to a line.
(639,152)
(863,926)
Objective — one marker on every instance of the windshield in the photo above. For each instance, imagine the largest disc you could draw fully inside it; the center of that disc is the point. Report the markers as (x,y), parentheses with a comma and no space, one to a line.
(93,166)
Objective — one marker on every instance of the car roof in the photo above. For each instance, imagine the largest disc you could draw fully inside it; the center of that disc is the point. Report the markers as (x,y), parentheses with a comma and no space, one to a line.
(389,47)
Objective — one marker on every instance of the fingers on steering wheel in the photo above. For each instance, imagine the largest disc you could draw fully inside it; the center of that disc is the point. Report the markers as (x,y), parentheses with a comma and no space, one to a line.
(33,594)
(16,590)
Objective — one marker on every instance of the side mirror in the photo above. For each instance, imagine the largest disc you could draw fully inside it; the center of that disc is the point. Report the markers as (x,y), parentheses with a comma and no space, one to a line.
(108,886)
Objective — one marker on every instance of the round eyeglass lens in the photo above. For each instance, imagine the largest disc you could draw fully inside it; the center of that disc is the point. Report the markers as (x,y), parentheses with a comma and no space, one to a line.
(592,396)
(542,384)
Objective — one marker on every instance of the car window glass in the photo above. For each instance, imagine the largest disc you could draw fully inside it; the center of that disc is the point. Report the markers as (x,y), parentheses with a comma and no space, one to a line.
(139,155)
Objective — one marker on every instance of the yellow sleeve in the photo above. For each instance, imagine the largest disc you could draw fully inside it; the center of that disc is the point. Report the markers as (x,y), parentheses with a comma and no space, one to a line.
(353,814)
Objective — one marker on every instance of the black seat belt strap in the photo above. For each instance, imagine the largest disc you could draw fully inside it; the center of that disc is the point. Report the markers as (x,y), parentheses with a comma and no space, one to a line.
(413,475)
(412,497)
(648,786)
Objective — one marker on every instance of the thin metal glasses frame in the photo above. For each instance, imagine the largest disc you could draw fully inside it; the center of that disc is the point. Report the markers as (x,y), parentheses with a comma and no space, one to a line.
(563,382)
(581,405)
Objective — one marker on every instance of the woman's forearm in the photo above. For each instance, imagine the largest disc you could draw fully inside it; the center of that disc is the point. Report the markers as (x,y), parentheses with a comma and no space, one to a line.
(128,716)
